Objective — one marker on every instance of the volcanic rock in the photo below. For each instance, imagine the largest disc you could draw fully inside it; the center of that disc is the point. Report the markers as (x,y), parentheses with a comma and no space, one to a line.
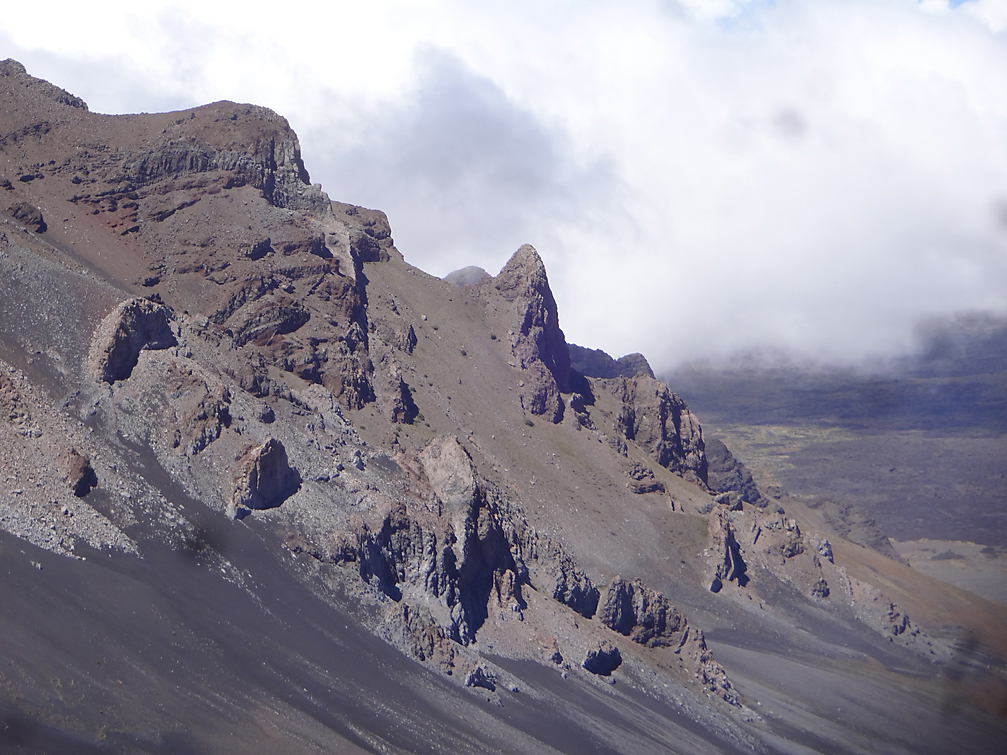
(79,475)
(659,421)
(728,563)
(642,480)
(133,325)
(725,473)
(480,676)
(538,344)
(644,615)
(29,215)
(370,233)
(602,660)
(573,588)
(596,363)
(471,535)
(265,479)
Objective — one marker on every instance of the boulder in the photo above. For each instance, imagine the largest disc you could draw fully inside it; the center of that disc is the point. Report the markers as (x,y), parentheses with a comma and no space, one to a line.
(133,325)
(79,474)
(29,215)
(643,615)
(265,479)
(603,660)
(480,676)
(642,480)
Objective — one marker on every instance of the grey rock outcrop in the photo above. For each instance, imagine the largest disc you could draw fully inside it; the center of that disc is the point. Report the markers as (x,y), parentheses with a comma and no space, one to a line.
(467,276)
(642,480)
(573,588)
(643,615)
(602,660)
(370,232)
(133,325)
(260,150)
(38,87)
(728,563)
(29,215)
(725,474)
(482,677)
(596,363)
(79,474)
(265,479)
(659,421)
(538,344)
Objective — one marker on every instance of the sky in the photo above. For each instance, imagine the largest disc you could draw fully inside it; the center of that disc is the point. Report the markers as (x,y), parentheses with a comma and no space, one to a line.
(703,178)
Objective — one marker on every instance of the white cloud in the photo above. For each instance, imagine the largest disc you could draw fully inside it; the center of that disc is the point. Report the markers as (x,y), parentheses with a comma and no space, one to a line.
(993,13)
(699,176)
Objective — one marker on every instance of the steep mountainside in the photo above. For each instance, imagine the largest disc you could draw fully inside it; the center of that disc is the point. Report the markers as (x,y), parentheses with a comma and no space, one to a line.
(271,488)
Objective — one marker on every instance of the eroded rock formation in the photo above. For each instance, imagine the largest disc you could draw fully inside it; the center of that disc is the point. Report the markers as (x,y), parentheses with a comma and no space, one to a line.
(726,474)
(644,615)
(133,325)
(537,344)
(79,474)
(659,421)
(265,479)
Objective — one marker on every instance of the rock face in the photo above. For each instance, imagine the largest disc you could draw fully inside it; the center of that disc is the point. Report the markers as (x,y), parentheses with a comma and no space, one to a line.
(302,350)
(29,215)
(726,474)
(573,588)
(133,325)
(729,564)
(602,660)
(259,148)
(596,363)
(644,615)
(370,232)
(80,475)
(265,480)
(538,344)
(660,422)
(37,88)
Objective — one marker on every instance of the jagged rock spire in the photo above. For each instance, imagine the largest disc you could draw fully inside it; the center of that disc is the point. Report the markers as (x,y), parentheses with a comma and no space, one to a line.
(538,342)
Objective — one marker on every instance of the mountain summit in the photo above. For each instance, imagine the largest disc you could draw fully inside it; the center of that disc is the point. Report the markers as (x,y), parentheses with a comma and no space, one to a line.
(270,488)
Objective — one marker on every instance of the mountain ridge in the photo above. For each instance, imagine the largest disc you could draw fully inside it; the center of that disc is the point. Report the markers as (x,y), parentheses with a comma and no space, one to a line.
(209,327)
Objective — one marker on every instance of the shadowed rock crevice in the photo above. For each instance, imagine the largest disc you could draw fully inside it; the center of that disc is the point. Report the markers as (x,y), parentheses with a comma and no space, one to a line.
(29,215)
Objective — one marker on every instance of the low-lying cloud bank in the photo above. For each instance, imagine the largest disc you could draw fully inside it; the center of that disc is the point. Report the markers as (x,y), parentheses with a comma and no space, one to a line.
(701,177)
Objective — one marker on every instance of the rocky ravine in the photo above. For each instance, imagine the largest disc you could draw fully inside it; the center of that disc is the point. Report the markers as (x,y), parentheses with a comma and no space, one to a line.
(204,324)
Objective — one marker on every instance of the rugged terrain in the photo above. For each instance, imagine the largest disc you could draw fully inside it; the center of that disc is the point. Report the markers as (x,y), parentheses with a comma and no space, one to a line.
(908,456)
(270,488)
